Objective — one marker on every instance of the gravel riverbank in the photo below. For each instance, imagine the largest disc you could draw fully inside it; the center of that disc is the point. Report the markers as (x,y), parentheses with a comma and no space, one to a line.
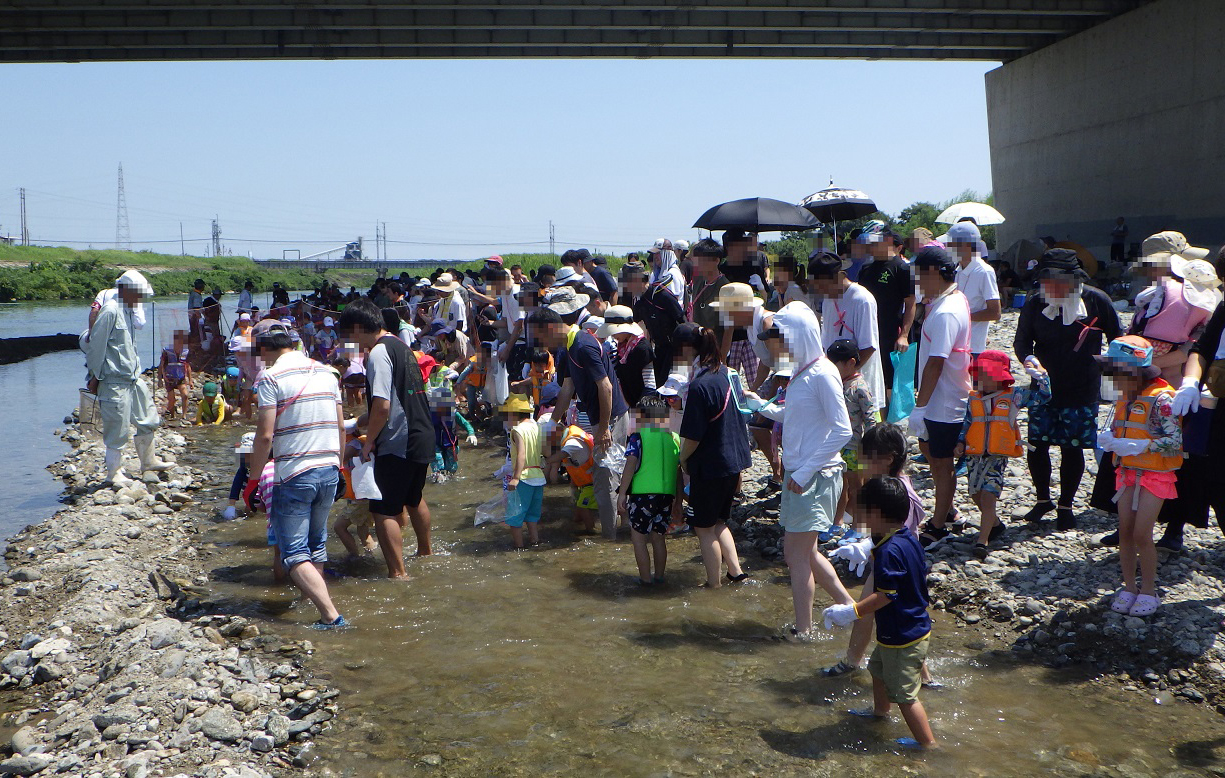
(127,667)
(1045,596)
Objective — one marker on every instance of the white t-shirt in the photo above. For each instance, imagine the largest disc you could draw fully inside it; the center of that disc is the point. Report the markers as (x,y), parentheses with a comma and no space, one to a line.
(977,282)
(946,333)
(853,316)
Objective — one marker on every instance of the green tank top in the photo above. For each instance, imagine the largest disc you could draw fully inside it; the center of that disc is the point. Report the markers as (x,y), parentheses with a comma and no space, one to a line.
(529,438)
(661,451)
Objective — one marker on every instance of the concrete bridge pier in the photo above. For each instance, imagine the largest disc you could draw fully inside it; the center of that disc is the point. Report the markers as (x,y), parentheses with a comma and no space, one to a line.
(1124,119)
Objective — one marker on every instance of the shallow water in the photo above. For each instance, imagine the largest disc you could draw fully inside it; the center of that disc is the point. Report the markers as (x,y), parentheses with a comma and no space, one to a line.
(554,661)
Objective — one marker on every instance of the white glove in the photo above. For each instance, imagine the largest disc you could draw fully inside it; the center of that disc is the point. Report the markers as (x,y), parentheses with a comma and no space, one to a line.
(471,440)
(1105,440)
(839,616)
(856,555)
(917,424)
(451,375)
(1186,399)
(1130,447)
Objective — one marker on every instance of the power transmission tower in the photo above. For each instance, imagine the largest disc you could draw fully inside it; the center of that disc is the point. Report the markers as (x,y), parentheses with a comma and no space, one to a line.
(25,231)
(216,237)
(123,236)
(385,240)
(551,236)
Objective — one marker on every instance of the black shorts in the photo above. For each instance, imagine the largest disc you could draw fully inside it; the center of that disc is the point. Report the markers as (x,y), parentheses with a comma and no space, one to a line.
(942,438)
(712,499)
(649,512)
(400,482)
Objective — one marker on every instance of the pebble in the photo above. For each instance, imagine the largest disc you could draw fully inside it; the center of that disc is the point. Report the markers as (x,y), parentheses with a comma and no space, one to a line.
(216,724)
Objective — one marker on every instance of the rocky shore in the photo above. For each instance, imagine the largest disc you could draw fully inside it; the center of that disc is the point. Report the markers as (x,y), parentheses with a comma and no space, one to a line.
(1045,595)
(124,664)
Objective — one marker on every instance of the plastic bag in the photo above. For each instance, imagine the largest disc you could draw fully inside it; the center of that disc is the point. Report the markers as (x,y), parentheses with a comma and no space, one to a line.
(903,400)
(362,476)
(492,510)
(497,384)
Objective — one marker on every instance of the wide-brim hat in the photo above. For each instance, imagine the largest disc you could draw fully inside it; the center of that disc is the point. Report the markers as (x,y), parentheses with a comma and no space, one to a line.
(1200,283)
(564,301)
(993,364)
(736,297)
(619,319)
(1062,264)
(1164,247)
(246,445)
(566,275)
(446,283)
(517,403)
(674,386)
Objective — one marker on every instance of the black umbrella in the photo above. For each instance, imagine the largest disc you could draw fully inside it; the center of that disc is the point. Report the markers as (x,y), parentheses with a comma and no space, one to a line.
(757,214)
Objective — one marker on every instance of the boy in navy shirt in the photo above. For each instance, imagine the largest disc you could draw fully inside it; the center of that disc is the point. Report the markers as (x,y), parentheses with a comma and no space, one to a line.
(899,603)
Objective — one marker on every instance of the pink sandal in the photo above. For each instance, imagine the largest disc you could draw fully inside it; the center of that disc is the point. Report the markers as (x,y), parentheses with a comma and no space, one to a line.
(1123,602)
(1145,605)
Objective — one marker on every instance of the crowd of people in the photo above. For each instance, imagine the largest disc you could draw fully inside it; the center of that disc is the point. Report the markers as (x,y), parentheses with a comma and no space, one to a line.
(646,390)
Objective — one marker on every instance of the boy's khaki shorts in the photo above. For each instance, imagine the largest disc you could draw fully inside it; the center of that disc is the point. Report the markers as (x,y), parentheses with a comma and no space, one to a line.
(900,669)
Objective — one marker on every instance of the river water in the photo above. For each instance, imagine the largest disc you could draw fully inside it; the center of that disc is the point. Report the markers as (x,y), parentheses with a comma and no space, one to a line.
(552,661)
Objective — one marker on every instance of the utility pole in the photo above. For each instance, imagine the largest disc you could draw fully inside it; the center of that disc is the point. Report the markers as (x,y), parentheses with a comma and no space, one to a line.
(123,236)
(25,231)
(216,237)
(551,237)
(182,244)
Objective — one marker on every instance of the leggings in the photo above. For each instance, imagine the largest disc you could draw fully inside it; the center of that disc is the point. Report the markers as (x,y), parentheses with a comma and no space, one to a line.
(1071,468)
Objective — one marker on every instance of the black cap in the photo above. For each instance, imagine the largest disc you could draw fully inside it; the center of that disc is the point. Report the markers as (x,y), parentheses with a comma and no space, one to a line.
(547,269)
(823,263)
(582,255)
(770,333)
(842,350)
(599,259)
(686,334)
(934,256)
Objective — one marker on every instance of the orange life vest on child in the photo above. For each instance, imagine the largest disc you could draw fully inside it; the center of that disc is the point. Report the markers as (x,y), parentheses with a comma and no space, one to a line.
(476,376)
(580,475)
(992,431)
(1131,423)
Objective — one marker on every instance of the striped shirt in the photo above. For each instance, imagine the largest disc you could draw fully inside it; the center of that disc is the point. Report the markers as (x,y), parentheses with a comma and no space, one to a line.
(305,395)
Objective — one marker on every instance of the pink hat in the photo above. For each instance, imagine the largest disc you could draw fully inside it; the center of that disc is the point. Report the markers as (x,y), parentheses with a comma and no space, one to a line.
(494,260)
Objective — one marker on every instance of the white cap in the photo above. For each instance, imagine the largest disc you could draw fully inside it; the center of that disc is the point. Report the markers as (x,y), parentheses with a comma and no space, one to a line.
(244,317)
(246,445)
(327,321)
(964,232)
(680,245)
(592,323)
(134,280)
(675,384)
(659,245)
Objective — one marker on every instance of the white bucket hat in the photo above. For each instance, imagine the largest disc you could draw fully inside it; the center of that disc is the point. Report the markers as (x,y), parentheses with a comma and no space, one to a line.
(1200,283)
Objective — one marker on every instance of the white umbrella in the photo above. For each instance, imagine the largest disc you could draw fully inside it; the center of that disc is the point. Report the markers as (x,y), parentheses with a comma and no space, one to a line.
(982,214)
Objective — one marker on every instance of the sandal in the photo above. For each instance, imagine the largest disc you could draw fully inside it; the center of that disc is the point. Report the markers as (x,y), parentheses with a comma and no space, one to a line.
(1123,602)
(867,713)
(1145,605)
(842,668)
(738,578)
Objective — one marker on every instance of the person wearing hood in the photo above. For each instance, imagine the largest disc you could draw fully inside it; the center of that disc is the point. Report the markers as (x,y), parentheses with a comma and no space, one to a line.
(816,427)
(114,376)
(1061,329)
(664,269)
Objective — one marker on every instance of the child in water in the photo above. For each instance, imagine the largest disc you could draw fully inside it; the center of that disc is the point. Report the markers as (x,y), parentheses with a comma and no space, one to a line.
(525,481)
(647,497)
(861,407)
(176,375)
(445,414)
(575,453)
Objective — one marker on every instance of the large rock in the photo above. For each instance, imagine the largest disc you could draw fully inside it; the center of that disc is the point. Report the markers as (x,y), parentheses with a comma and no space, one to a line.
(164,633)
(219,725)
(23,574)
(122,715)
(29,764)
(15,660)
(48,647)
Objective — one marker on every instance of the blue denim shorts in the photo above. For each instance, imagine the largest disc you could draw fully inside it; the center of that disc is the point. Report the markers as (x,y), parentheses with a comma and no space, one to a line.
(299,515)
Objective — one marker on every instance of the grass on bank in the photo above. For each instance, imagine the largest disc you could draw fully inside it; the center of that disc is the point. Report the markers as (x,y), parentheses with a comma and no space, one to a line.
(58,273)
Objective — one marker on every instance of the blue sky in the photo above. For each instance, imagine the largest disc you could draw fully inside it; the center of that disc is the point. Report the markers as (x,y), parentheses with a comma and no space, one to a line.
(466,158)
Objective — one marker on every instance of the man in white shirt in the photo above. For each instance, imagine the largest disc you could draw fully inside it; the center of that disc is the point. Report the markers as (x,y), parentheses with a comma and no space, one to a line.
(976,280)
(848,311)
(246,297)
(944,379)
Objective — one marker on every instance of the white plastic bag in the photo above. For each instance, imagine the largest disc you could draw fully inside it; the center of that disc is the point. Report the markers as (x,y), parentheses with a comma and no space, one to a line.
(362,475)
(493,510)
(497,386)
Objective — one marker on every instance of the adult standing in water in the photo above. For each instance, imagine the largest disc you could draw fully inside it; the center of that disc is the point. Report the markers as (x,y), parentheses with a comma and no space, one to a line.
(114,376)
(399,432)
(714,451)
(1062,328)
(299,409)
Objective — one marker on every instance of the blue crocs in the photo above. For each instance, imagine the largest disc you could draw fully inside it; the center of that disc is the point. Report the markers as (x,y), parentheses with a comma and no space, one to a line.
(337,624)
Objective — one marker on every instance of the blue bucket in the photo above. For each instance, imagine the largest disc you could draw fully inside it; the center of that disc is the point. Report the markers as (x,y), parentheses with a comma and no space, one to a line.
(1018,300)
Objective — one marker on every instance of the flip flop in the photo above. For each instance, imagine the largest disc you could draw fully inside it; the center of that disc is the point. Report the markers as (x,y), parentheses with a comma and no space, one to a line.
(1145,605)
(1123,602)
(909,743)
(866,713)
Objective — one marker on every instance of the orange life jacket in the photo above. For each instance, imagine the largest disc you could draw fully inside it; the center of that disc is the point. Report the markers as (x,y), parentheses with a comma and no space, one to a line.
(476,376)
(580,475)
(992,430)
(1131,423)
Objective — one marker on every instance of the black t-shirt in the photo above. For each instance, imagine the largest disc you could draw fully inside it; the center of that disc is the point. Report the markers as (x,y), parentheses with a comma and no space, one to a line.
(605,282)
(585,362)
(660,311)
(1076,378)
(712,418)
(629,372)
(891,282)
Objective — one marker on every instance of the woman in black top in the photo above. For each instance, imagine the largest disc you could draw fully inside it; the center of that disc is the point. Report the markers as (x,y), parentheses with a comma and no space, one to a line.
(1064,326)
(661,312)
(634,359)
(714,450)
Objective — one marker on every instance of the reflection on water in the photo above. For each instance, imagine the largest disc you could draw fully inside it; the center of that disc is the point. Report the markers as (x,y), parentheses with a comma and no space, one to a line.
(554,662)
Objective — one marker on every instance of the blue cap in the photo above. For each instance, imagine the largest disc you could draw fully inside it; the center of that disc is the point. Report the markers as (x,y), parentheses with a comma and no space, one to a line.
(964,232)
(232,372)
